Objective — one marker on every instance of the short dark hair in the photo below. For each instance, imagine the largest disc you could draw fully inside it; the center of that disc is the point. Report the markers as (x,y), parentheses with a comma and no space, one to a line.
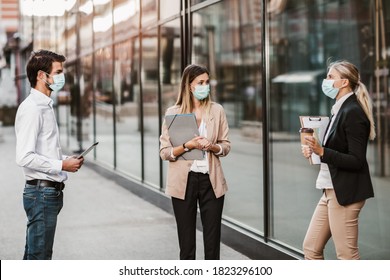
(41,60)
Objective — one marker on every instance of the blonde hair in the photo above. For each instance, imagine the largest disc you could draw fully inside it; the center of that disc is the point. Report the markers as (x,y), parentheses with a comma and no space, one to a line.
(350,72)
(184,99)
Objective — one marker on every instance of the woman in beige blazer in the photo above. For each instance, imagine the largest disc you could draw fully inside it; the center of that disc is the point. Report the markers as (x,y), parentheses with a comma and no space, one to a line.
(190,182)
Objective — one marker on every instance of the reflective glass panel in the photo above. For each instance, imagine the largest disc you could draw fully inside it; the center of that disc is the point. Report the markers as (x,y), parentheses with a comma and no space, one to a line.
(104,99)
(169,8)
(303,36)
(170,72)
(102,23)
(226,39)
(149,11)
(86,102)
(149,76)
(128,136)
(126,18)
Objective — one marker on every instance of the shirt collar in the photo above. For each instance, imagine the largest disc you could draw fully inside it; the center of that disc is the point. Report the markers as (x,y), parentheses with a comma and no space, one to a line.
(336,107)
(41,98)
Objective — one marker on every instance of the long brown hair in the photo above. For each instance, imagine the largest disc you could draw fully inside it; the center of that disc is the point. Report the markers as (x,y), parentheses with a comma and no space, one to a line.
(184,99)
(350,72)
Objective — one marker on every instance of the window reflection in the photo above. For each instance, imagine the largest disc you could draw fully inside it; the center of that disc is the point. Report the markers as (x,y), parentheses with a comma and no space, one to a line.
(302,38)
(220,41)
(128,113)
(86,100)
(126,18)
(170,63)
(170,72)
(149,11)
(150,107)
(169,8)
(102,24)
(104,98)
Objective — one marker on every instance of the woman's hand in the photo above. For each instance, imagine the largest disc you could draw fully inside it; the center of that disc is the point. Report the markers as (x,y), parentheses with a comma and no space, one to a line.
(194,143)
(306,151)
(314,145)
(204,144)
(200,143)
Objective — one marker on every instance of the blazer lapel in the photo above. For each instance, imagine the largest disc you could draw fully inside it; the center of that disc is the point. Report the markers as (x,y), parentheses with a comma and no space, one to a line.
(349,100)
(209,125)
(333,128)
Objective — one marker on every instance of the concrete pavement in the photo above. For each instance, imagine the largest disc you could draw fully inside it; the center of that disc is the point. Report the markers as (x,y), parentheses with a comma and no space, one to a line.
(100,220)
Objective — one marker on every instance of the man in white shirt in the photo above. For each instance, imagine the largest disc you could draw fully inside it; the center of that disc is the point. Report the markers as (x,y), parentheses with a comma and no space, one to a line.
(39,153)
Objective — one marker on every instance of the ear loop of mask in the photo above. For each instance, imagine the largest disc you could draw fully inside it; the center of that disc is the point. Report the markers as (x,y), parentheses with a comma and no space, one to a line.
(46,83)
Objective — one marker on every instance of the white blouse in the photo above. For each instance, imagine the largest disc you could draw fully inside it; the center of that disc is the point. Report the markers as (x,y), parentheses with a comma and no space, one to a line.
(201,166)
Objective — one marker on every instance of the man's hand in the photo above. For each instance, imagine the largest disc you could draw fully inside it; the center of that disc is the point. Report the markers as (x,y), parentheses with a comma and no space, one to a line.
(72,164)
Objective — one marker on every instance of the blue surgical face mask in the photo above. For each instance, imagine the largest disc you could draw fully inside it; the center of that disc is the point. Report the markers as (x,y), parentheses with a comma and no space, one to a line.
(58,82)
(328,89)
(201,92)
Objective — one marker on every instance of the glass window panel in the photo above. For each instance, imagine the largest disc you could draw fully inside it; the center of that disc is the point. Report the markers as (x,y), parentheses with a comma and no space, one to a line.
(86,101)
(149,78)
(302,38)
(126,85)
(226,39)
(78,118)
(65,116)
(102,24)
(149,11)
(170,72)
(104,105)
(86,31)
(71,115)
(169,8)
(126,18)
(70,36)
(60,41)
(194,2)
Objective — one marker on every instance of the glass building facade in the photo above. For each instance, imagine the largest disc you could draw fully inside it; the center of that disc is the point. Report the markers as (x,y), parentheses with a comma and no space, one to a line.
(267,59)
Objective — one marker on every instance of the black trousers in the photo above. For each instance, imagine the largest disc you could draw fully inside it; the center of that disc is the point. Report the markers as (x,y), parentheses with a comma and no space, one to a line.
(199,190)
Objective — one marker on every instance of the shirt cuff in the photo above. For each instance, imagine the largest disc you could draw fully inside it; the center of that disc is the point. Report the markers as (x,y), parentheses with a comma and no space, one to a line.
(172,156)
(57,167)
(220,150)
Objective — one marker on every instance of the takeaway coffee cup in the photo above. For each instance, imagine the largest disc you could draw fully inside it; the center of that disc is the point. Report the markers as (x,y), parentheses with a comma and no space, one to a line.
(305,131)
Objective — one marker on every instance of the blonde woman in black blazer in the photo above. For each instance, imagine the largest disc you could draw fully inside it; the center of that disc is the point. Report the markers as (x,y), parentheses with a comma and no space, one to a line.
(344,176)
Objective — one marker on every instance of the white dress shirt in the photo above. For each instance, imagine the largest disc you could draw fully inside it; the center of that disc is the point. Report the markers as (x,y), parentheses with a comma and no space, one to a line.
(38,148)
(324,181)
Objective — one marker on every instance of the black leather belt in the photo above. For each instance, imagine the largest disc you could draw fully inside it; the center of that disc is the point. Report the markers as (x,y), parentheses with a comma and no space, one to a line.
(59,186)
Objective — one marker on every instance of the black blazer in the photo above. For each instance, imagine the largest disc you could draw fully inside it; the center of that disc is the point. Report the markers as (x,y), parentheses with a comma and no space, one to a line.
(345,153)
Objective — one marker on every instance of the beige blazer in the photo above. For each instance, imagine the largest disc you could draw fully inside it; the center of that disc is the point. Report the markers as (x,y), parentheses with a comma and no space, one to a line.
(217,132)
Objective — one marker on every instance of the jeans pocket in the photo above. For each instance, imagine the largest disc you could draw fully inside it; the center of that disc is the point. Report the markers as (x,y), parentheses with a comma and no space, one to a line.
(30,191)
(53,200)
(51,193)
(29,201)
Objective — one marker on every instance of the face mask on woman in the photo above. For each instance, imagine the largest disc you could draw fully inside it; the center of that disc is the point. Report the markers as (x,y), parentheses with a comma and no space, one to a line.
(201,92)
(328,89)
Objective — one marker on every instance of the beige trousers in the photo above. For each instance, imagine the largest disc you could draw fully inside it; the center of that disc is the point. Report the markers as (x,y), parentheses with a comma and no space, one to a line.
(330,219)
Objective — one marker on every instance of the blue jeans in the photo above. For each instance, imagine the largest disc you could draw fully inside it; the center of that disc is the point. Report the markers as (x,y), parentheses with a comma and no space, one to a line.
(42,205)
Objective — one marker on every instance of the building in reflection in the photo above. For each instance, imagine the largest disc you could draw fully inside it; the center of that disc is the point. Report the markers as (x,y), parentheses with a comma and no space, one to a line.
(267,59)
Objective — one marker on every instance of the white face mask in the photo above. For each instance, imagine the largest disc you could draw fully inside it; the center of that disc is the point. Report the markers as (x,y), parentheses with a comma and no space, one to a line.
(328,88)
(58,82)
(201,92)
